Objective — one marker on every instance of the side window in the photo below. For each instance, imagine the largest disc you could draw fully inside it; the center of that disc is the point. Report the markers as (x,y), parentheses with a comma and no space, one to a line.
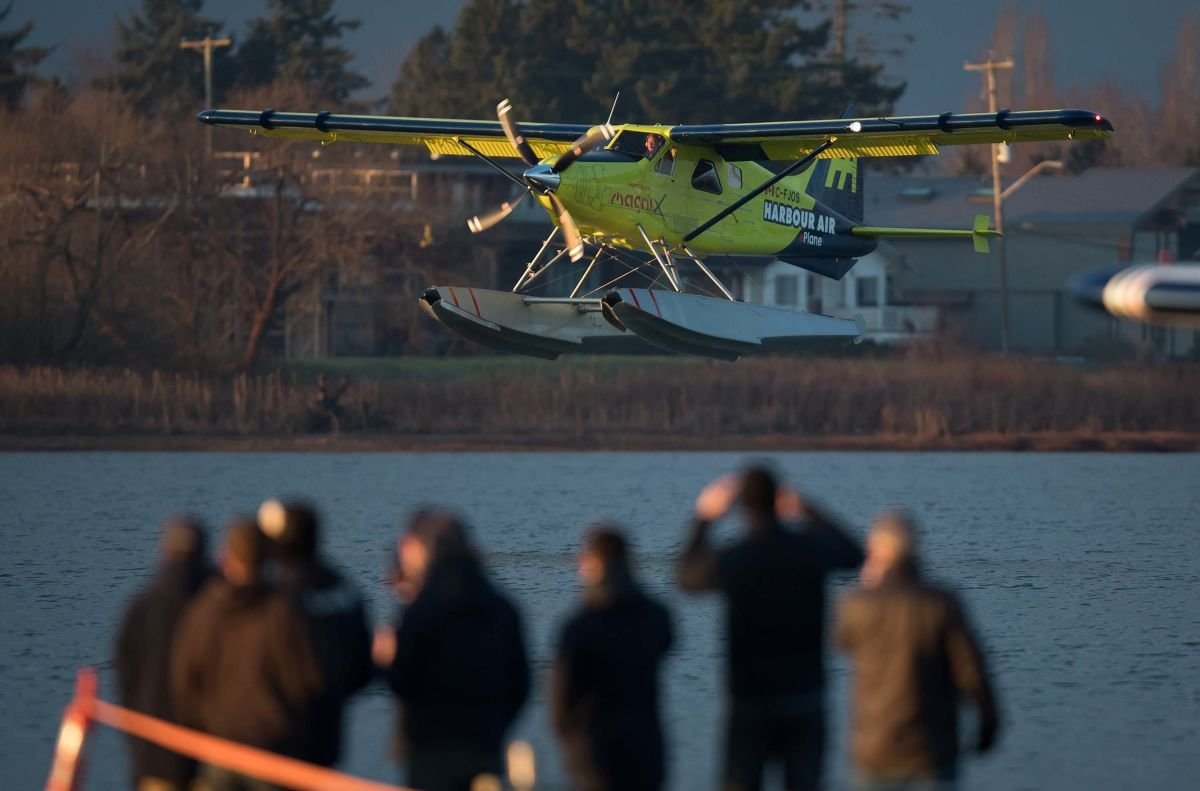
(666,163)
(735,176)
(705,178)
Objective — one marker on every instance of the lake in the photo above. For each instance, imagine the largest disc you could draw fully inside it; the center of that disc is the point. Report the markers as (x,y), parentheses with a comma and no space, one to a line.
(1081,572)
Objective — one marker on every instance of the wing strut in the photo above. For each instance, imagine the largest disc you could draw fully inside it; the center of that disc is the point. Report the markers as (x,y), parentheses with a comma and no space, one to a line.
(503,171)
(754,193)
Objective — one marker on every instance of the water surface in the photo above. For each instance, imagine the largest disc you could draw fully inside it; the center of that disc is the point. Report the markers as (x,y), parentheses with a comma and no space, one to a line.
(1080,571)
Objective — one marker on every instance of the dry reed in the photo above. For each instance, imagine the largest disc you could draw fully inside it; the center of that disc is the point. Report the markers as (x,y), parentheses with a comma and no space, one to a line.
(785,396)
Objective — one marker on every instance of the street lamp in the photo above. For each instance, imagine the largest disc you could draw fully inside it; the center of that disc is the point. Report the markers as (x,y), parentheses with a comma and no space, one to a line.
(998,204)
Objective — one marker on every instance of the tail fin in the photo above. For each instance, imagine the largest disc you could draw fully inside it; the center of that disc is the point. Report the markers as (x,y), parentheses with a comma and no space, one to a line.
(838,184)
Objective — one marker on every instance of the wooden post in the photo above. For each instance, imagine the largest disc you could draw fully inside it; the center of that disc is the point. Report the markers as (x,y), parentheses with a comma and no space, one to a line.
(66,773)
(989,68)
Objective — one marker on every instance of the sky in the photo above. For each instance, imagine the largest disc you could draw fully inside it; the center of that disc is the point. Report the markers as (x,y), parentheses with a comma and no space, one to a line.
(1092,39)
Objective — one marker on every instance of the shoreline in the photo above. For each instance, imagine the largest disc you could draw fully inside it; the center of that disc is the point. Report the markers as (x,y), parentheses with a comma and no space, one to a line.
(379,442)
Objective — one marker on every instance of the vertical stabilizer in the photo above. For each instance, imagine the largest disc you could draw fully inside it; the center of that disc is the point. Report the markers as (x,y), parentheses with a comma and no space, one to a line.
(838,184)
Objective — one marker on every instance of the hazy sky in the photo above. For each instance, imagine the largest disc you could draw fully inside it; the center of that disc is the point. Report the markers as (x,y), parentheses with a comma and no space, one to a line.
(1092,39)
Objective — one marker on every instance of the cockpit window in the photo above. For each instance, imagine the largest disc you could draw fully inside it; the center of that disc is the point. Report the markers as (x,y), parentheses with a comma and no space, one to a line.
(639,144)
(705,178)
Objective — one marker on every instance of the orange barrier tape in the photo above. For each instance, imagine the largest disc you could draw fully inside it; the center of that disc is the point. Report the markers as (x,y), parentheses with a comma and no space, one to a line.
(287,772)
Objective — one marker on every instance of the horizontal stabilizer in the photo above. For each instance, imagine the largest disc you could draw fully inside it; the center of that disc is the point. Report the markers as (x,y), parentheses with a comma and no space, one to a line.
(978,234)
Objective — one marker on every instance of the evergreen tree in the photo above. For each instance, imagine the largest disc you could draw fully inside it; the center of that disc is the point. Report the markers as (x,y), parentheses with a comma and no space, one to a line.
(673,61)
(16,61)
(421,87)
(466,72)
(154,74)
(298,41)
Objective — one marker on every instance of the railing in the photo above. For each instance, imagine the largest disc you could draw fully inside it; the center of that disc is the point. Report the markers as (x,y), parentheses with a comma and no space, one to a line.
(66,773)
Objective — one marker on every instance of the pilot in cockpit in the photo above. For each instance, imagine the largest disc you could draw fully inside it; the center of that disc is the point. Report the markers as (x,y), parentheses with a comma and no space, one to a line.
(653,142)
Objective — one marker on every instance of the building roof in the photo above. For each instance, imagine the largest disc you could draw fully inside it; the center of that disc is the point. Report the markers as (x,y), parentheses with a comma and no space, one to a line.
(1098,196)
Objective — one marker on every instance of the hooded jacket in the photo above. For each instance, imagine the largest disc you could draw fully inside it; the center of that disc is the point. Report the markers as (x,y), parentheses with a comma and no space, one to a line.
(243,668)
(336,621)
(460,671)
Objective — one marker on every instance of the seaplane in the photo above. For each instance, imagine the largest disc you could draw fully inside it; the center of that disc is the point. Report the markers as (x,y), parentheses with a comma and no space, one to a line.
(672,197)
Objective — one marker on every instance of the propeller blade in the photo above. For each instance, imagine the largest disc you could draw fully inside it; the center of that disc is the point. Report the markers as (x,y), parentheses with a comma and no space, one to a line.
(570,230)
(478,224)
(513,133)
(596,137)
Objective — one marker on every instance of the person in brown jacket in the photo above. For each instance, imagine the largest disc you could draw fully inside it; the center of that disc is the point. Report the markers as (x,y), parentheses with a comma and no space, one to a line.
(242,666)
(914,658)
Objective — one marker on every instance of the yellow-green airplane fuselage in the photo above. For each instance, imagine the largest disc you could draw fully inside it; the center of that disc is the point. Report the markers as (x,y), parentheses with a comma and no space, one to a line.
(672,191)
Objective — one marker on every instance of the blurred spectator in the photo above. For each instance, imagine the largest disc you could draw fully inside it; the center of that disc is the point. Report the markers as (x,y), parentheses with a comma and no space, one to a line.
(144,647)
(914,658)
(336,618)
(605,681)
(774,584)
(456,661)
(243,667)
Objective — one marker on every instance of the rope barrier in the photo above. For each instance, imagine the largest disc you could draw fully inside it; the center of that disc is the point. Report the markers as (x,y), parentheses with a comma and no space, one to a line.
(287,772)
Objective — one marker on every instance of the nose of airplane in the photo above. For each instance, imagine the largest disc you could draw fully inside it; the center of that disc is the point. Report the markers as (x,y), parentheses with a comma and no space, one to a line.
(542,178)
(1088,287)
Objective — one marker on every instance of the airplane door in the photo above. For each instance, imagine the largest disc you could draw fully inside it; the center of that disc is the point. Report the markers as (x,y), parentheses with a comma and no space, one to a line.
(678,209)
(704,189)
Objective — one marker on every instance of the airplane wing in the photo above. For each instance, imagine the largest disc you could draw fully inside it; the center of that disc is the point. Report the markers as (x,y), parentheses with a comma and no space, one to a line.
(891,137)
(439,135)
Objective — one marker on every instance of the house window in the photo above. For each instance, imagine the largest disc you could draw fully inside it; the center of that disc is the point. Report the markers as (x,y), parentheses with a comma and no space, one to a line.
(815,289)
(787,290)
(867,294)
(705,178)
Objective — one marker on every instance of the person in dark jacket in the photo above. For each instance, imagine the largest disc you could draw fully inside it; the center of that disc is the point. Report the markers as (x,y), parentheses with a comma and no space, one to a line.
(604,689)
(243,667)
(914,658)
(336,618)
(773,581)
(457,660)
(144,645)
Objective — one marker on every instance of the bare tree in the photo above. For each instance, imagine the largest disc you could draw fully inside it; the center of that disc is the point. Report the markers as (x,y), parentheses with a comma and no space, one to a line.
(1037,63)
(1180,80)
(82,207)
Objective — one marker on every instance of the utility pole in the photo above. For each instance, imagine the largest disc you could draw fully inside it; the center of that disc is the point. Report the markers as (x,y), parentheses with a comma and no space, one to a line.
(989,67)
(206,46)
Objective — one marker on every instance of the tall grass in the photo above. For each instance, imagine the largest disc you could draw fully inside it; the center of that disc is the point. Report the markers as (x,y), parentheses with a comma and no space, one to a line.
(783,396)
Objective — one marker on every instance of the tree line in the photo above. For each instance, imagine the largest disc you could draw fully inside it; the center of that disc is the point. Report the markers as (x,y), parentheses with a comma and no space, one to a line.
(1149,133)
(121,242)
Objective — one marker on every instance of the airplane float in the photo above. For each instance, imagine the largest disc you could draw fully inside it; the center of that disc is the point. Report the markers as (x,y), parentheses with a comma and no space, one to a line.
(672,197)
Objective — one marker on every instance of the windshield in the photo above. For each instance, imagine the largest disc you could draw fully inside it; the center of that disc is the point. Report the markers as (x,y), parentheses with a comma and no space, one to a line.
(638,144)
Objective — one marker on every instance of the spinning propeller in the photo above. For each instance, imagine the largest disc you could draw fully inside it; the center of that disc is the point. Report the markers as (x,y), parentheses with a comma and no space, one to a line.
(544,179)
